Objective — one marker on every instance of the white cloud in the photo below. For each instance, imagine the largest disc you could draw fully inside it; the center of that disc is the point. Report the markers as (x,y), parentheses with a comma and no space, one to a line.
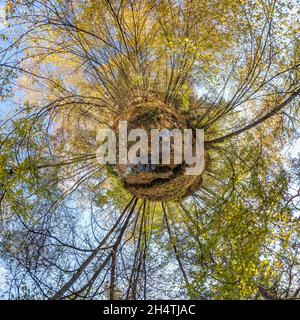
(2,276)
(2,16)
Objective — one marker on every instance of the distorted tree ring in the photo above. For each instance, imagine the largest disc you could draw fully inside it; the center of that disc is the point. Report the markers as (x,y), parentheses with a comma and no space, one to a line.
(156,182)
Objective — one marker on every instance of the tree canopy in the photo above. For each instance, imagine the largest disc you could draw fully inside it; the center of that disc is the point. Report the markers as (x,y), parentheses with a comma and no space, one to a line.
(69,227)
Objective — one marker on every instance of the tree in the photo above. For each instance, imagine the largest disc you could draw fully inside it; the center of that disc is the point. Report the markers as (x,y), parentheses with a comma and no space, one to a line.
(72,229)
